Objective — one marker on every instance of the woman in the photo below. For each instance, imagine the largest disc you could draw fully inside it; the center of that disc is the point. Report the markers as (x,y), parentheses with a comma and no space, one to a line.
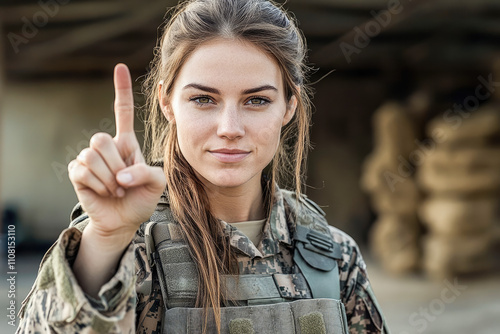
(227,101)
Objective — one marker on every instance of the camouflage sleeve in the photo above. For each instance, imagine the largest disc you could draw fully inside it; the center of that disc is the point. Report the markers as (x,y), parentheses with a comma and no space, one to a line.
(57,304)
(364,315)
(149,310)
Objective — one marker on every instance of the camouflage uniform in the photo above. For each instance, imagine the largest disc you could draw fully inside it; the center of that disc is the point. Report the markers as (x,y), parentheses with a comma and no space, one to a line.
(57,304)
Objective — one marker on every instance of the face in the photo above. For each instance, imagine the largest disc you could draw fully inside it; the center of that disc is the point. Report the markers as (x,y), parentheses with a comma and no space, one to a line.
(229,106)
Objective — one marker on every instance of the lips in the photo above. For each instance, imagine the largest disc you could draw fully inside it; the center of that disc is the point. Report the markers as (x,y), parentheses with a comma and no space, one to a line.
(227,155)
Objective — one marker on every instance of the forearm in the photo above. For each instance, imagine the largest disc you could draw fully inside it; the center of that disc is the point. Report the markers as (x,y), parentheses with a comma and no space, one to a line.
(98,258)
(58,304)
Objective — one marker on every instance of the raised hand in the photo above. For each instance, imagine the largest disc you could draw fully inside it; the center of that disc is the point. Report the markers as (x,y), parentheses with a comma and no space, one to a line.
(114,185)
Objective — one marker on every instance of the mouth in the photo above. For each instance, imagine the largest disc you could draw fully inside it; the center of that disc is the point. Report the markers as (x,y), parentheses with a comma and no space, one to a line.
(226,155)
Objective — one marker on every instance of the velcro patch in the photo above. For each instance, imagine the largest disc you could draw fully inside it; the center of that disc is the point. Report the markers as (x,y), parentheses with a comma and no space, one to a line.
(241,326)
(312,323)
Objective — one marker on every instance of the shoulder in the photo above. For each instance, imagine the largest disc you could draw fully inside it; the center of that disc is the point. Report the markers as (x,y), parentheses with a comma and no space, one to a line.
(300,202)
(351,265)
(351,255)
(306,211)
(362,309)
(353,273)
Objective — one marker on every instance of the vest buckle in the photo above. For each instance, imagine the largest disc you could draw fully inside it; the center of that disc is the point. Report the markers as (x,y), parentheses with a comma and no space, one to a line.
(319,240)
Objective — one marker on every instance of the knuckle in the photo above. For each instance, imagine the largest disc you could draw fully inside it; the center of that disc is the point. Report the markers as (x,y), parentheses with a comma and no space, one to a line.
(142,167)
(71,165)
(87,156)
(144,170)
(83,153)
(84,175)
(77,173)
(111,182)
(101,190)
(141,172)
(100,139)
(124,106)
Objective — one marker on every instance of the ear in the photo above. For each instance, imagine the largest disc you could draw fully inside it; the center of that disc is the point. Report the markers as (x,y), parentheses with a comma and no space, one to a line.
(164,104)
(290,109)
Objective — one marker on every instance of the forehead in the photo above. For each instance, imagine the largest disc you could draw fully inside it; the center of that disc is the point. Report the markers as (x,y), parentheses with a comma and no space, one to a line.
(229,65)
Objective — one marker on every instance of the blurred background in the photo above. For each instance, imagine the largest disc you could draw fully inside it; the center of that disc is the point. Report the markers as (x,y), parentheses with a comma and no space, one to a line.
(406,137)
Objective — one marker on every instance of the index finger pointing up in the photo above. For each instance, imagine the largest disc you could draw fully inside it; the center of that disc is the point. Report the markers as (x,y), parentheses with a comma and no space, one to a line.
(124,100)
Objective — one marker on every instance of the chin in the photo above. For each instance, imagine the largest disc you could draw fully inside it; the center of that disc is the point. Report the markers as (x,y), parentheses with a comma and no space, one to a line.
(227,179)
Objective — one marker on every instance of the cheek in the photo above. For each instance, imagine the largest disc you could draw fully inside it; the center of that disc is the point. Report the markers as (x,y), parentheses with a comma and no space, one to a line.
(268,133)
(192,131)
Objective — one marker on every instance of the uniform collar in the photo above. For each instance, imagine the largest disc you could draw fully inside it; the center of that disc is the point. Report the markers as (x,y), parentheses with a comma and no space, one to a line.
(275,231)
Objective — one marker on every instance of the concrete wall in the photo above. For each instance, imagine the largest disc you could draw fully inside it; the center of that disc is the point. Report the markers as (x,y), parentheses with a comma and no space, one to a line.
(44,125)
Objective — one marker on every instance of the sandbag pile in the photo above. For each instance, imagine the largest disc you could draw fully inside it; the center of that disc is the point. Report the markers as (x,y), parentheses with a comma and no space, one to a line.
(461,178)
(388,177)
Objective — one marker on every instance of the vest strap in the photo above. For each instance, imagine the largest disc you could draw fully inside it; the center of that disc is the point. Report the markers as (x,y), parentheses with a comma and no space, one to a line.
(246,287)
(316,253)
(323,284)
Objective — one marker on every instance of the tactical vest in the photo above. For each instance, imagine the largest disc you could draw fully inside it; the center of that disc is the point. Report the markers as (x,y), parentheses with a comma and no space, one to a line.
(262,305)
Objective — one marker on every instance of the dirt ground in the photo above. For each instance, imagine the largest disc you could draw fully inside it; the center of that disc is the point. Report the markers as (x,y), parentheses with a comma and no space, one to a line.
(416,304)
(411,304)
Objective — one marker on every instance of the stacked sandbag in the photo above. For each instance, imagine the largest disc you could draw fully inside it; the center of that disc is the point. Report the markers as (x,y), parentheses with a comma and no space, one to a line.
(461,177)
(389,179)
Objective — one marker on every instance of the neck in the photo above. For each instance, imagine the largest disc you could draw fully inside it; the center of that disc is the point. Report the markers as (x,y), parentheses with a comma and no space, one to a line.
(237,204)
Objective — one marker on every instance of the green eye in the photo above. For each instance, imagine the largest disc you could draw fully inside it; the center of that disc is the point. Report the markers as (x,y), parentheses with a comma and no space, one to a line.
(202,100)
(257,101)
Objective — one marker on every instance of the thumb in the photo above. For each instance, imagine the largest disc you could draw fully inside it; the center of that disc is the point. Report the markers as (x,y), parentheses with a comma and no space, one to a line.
(142,175)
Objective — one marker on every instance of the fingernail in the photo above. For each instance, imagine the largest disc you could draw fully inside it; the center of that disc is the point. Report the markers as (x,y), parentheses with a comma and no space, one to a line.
(124,178)
(120,192)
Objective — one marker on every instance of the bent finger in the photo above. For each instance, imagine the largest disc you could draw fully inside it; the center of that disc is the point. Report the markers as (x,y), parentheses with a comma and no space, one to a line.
(82,178)
(142,175)
(96,164)
(104,144)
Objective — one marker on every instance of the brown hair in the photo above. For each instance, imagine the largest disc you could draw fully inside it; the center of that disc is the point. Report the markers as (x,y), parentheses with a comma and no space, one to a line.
(192,23)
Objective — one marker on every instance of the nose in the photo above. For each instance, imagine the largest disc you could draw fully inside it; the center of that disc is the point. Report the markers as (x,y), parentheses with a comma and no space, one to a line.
(230,123)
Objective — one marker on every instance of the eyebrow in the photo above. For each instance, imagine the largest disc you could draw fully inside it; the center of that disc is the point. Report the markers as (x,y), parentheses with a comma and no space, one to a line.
(260,89)
(216,91)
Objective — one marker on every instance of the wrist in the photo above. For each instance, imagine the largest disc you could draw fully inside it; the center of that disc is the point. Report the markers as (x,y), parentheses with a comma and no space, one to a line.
(107,241)
(98,257)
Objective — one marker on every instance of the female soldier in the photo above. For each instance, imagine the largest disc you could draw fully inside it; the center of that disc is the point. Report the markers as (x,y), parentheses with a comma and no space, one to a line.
(226,250)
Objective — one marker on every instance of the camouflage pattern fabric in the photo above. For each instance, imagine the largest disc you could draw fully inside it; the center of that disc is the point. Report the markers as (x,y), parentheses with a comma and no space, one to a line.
(56,303)
(132,301)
